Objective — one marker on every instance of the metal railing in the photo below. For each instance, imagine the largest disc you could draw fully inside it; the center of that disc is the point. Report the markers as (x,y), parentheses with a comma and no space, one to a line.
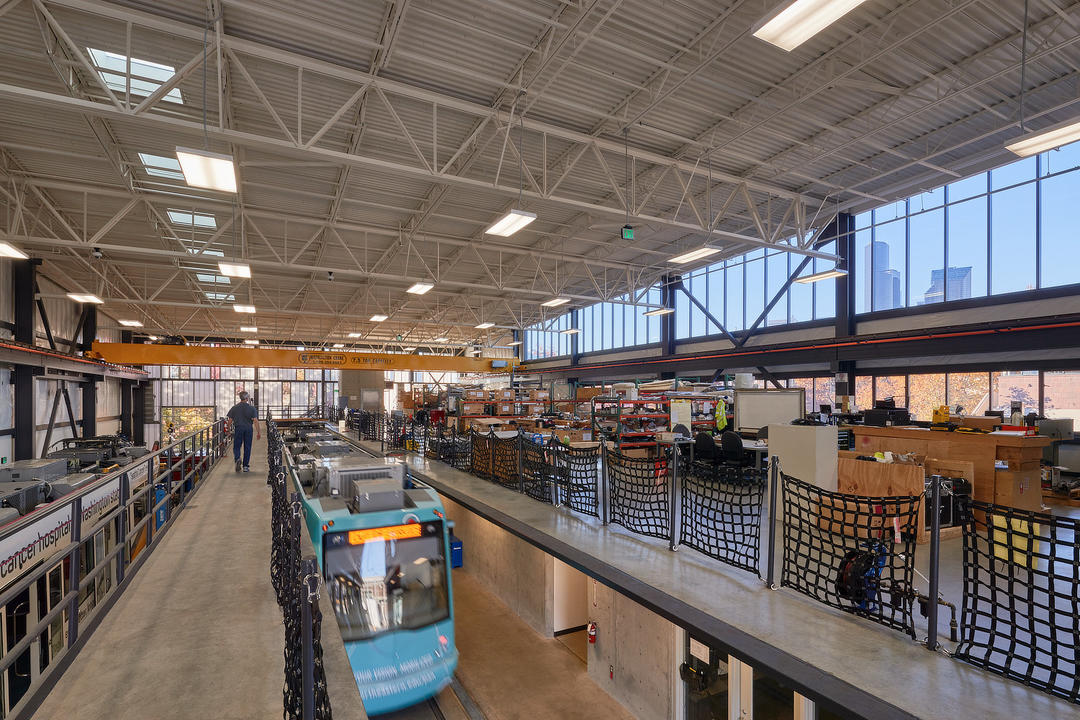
(296,580)
(62,566)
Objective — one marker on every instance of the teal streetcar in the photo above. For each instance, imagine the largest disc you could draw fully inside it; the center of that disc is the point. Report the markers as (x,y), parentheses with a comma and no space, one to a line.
(382,542)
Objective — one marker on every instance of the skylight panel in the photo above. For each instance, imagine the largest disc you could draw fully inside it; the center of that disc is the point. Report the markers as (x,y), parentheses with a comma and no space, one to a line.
(212,278)
(219,296)
(146,75)
(188,218)
(161,166)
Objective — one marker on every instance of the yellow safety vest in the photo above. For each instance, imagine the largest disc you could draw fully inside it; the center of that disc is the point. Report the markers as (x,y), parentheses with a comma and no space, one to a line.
(721,415)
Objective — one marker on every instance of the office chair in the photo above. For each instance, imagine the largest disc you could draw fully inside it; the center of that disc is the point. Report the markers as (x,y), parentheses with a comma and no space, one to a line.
(704,448)
(731,449)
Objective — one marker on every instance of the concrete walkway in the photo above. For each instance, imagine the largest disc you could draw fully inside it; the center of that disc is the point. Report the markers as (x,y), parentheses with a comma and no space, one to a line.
(198,634)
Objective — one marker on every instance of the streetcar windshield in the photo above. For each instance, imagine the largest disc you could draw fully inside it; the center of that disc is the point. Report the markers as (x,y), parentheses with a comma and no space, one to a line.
(383,579)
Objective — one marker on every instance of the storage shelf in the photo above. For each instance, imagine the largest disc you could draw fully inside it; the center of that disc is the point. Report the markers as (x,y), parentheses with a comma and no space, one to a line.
(641,433)
(644,415)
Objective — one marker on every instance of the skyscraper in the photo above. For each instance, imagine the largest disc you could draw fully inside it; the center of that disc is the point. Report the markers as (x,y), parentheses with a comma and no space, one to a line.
(959,285)
(883,288)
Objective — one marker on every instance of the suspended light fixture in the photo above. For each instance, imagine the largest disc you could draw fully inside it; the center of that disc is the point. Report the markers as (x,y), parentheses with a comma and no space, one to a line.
(249,328)
(789,26)
(1038,142)
(249,341)
(570,331)
(516,219)
(338,346)
(151,338)
(10,251)
(485,325)
(694,255)
(510,223)
(441,339)
(249,309)
(420,288)
(512,343)
(131,323)
(241,270)
(555,302)
(85,298)
(659,311)
(379,318)
(355,335)
(205,169)
(823,275)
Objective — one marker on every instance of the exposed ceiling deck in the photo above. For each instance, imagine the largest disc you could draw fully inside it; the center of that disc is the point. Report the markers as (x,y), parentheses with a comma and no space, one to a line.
(378,140)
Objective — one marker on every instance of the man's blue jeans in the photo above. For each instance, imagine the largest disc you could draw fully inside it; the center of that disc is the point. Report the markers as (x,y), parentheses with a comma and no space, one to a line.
(242,436)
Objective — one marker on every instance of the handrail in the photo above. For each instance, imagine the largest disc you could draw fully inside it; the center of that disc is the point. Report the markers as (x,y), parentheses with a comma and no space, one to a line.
(54,535)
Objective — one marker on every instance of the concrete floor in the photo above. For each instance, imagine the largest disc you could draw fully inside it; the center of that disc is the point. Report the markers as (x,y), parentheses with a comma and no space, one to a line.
(512,672)
(877,660)
(198,633)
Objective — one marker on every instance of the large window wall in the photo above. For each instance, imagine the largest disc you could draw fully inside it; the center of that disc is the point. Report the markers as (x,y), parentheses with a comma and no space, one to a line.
(1002,231)
(737,290)
(1055,394)
(619,324)
(185,386)
(546,339)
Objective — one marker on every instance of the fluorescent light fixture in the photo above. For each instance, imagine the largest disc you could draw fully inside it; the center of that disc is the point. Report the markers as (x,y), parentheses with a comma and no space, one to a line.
(151,337)
(790,26)
(300,348)
(379,318)
(408,349)
(85,298)
(249,309)
(570,331)
(249,341)
(513,343)
(555,302)
(420,288)
(206,169)
(10,251)
(249,328)
(235,269)
(510,223)
(823,275)
(1052,137)
(131,323)
(694,255)
(442,339)
(485,325)
(339,345)
(356,335)
(659,311)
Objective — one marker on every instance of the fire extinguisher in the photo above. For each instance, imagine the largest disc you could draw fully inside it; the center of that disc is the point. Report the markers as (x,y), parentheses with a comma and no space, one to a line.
(591,630)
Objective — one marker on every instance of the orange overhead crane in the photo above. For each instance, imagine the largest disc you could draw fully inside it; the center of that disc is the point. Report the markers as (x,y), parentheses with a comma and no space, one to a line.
(139,354)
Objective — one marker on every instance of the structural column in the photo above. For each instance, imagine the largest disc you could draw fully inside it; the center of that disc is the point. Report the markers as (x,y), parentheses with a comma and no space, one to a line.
(23,281)
(138,413)
(126,422)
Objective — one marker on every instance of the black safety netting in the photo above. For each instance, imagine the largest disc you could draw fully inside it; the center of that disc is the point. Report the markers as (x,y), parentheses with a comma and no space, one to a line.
(504,461)
(638,494)
(577,472)
(537,470)
(851,552)
(396,432)
(1021,607)
(721,512)
(433,441)
(480,455)
(460,451)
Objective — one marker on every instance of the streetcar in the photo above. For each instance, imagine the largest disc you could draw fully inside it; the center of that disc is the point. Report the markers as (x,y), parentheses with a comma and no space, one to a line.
(382,542)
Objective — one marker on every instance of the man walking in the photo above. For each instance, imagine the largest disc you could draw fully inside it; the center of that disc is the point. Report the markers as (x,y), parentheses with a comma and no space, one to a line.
(243,416)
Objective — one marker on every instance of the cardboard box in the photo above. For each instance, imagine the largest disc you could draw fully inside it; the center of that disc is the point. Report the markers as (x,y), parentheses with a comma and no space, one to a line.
(586,393)
(543,395)
(504,408)
(476,395)
(642,452)
(472,408)
(504,394)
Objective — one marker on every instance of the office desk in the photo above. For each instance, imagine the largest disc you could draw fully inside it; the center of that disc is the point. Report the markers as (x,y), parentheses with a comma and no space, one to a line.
(1016,484)
(760,450)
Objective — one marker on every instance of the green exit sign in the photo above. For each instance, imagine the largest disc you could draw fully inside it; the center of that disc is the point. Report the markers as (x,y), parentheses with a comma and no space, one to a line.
(627,232)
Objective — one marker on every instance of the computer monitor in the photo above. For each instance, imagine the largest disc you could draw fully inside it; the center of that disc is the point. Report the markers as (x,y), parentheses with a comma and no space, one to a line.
(826,409)
(886,404)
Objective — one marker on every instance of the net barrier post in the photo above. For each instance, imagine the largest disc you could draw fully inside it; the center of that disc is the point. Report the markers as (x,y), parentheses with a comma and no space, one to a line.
(935,562)
(553,474)
(603,493)
(774,474)
(520,464)
(673,519)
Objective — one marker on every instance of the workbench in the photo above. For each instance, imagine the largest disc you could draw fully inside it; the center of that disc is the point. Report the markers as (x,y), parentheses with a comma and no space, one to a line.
(1017,483)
